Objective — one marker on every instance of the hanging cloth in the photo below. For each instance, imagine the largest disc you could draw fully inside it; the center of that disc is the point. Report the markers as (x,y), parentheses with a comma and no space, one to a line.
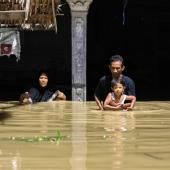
(10,43)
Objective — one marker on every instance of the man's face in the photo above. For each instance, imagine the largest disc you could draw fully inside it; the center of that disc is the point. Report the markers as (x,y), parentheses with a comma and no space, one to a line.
(116,68)
(43,80)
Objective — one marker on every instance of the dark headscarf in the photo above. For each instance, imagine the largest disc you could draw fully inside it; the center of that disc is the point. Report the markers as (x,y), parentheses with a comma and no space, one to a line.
(39,93)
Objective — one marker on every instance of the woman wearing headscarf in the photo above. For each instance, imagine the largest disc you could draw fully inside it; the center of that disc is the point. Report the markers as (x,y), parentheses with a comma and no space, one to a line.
(41,91)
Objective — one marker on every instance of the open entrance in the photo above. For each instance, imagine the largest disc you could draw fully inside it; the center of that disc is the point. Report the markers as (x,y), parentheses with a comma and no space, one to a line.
(142,40)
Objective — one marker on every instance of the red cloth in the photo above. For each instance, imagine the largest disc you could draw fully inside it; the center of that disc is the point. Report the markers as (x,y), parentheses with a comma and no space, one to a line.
(6,49)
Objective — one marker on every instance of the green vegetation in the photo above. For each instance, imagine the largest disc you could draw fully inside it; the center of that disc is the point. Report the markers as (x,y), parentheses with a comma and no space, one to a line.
(53,139)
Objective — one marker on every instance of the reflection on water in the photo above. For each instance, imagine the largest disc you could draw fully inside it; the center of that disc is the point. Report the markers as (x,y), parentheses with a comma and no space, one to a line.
(16,162)
(93,139)
(119,121)
(79,141)
(116,124)
(3,116)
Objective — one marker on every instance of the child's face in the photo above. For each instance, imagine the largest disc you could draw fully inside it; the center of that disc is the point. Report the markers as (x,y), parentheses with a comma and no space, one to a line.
(118,89)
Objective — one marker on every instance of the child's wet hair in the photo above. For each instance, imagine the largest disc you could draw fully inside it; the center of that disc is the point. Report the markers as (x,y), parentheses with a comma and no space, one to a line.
(115,82)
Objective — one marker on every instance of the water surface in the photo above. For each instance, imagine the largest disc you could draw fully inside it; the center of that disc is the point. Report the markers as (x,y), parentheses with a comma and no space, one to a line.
(76,136)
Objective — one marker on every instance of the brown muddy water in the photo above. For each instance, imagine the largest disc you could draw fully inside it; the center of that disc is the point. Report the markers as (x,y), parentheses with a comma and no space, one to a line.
(76,136)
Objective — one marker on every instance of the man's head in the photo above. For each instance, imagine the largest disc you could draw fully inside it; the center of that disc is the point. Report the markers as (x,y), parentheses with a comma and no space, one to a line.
(116,66)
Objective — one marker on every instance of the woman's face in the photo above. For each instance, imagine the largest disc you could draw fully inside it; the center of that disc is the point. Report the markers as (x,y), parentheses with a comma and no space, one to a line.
(43,80)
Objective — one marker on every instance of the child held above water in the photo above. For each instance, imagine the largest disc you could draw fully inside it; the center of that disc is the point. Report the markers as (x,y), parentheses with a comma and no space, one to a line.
(115,100)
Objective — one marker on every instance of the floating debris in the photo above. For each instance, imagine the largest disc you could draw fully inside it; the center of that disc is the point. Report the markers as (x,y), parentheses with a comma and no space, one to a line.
(52,139)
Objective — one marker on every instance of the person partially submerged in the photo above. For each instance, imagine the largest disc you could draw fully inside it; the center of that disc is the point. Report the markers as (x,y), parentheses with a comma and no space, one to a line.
(117,100)
(116,67)
(41,92)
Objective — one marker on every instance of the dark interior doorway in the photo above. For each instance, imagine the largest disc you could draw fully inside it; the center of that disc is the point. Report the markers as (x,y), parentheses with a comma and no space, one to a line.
(143,40)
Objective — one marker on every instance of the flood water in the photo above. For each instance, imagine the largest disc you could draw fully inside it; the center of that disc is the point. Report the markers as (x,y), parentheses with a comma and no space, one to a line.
(76,136)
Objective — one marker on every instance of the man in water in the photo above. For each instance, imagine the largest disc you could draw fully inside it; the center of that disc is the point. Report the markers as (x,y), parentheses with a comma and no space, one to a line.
(116,67)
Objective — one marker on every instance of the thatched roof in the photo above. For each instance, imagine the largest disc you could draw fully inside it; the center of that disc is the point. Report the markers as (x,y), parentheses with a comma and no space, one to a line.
(29,14)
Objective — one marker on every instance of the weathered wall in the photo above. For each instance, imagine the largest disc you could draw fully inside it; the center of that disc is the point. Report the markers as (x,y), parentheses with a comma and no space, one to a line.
(144,40)
(39,50)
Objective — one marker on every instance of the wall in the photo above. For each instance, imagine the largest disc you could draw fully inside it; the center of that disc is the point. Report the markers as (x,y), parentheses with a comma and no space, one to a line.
(143,40)
(39,50)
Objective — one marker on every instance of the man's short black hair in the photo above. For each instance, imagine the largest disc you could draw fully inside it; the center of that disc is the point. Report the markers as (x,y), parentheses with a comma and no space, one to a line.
(116,58)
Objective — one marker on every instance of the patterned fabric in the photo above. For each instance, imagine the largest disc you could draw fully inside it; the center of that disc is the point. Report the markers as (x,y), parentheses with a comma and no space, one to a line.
(10,43)
(122,101)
